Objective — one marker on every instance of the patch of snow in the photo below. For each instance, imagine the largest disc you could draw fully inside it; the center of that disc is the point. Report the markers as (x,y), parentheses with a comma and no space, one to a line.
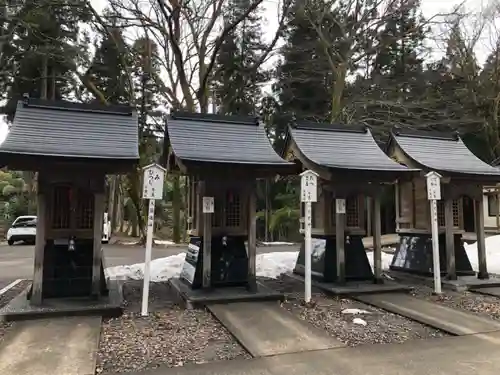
(268,265)
(162,269)
(492,254)
(274,264)
(359,321)
(355,311)
(128,243)
(386,260)
(164,242)
(277,243)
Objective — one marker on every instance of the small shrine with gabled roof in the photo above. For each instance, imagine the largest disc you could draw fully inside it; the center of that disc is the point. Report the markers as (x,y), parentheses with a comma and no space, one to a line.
(350,166)
(461,208)
(222,156)
(72,146)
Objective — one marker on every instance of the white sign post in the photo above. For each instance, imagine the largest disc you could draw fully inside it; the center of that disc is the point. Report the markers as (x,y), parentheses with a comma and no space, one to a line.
(309,194)
(152,190)
(433,195)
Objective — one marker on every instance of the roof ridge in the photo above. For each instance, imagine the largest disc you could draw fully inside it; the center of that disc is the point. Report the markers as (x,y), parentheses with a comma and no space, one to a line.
(427,134)
(214,117)
(325,126)
(64,105)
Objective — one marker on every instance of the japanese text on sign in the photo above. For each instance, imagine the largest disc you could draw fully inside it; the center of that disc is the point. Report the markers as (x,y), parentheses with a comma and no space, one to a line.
(153,182)
(208,205)
(151,213)
(340,206)
(309,188)
(433,187)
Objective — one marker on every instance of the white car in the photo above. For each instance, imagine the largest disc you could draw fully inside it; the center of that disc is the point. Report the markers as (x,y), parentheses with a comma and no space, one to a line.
(24,229)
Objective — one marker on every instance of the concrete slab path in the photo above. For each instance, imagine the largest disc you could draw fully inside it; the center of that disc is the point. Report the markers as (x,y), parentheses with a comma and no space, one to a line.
(489,291)
(65,346)
(464,355)
(265,329)
(433,314)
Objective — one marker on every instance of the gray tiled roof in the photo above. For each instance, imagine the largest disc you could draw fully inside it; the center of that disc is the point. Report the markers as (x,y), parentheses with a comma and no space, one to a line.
(221,139)
(442,152)
(64,129)
(342,147)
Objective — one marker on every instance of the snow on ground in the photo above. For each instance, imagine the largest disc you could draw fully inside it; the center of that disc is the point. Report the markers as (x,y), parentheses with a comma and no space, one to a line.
(164,242)
(278,243)
(492,254)
(274,264)
(268,265)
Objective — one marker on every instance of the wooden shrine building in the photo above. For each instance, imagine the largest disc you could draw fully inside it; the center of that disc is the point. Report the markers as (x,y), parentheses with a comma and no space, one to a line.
(72,147)
(351,166)
(222,156)
(460,208)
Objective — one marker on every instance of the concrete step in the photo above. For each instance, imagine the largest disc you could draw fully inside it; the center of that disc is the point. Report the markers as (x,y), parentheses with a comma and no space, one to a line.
(64,346)
(265,329)
(433,314)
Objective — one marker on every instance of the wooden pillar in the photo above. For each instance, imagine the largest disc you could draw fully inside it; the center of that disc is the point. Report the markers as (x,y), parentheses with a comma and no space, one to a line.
(252,238)
(36,296)
(397,203)
(451,272)
(207,242)
(369,214)
(377,240)
(340,243)
(481,243)
(97,257)
(497,207)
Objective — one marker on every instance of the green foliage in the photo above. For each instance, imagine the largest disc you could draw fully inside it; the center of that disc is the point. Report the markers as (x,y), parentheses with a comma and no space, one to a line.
(9,190)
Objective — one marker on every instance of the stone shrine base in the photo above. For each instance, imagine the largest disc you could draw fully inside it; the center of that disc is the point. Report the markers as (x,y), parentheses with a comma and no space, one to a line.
(194,298)
(19,308)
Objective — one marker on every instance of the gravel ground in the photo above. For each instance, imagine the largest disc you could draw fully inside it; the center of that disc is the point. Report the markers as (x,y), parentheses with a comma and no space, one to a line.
(487,306)
(381,326)
(169,336)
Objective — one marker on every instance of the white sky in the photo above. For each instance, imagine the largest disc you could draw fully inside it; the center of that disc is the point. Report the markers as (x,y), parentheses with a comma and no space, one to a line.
(429,8)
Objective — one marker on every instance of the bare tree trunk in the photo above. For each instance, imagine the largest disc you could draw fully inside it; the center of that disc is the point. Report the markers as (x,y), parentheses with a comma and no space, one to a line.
(338,92)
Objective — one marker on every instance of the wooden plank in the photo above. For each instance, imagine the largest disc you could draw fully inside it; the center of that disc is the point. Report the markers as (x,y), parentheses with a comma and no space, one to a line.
(97,256)
(377,240)
(252,237)
(481,241)
(450,241)
(36,296)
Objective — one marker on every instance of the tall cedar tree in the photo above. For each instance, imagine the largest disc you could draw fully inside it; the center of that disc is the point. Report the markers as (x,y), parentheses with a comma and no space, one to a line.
(108,70)
(48,49)
(385,94)
(236,83)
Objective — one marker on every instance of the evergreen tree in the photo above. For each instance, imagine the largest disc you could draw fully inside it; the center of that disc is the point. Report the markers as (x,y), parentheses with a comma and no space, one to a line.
(109,68)
(302,77)
(48,48)
(398,63)
(236,79)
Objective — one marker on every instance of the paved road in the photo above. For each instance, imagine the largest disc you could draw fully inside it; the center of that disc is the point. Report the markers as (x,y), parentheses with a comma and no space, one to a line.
(464,355)
(17,261)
